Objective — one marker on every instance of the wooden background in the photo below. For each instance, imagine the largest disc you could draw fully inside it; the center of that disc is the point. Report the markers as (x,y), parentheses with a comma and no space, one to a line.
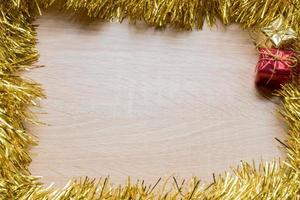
(130,100)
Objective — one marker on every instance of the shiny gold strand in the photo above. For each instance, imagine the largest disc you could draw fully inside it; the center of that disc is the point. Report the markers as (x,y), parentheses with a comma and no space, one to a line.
(270,180)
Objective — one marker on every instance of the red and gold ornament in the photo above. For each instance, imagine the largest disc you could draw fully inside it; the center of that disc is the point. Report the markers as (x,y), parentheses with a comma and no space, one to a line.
(274,67)
(275,64)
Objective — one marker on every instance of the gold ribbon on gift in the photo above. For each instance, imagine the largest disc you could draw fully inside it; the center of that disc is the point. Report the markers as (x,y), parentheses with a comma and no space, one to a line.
(277,58)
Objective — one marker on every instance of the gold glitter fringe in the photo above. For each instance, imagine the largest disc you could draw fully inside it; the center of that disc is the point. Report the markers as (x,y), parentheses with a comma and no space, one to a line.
(270,180)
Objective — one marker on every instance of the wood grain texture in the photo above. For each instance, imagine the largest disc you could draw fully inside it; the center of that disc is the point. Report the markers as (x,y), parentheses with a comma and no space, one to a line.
(130,100)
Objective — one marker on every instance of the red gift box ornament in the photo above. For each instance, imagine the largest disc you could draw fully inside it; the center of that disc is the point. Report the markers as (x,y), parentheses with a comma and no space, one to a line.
(274,67)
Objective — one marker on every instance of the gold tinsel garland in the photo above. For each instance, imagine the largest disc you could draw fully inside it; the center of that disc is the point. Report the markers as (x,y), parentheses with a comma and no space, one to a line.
(271,180)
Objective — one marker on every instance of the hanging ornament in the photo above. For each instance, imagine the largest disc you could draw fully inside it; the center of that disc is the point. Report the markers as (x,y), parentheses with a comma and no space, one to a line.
(274,67)
(279,32)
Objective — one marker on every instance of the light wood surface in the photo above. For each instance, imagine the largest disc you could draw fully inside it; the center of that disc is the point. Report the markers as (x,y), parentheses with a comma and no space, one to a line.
(130,100)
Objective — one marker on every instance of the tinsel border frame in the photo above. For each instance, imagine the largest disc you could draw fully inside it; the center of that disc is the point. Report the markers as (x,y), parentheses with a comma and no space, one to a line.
(18,53)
